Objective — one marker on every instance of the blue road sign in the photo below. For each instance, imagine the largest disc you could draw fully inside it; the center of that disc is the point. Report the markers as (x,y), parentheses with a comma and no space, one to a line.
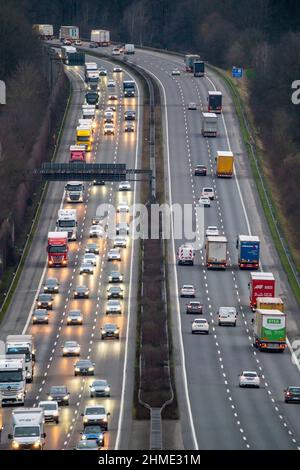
(237,72)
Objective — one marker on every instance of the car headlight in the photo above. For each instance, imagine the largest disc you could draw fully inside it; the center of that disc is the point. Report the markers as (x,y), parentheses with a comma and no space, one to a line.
(91,368)
(77,369)
(15,445)
(83,436)
(20,396)
(45,288)
(36,444)
(66,397)
(55,413)
(65,350)
(85,420)
(105,419)
(92,389)
(28,374)
(34,318)
(50,398)
(86,292)
(107,389)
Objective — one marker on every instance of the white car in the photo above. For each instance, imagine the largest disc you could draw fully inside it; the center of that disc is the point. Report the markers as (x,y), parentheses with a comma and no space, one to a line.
(51,411)
(111,84)
(204,201)
(71,348)
(96,231)
(116,51)
(208,192)
(123,207)
(117,70)
(108,117)
(192,106)
(200,325)
(175,72)
(227,316)
(95,414)
(109,129)
(86,268)
(120,242)
(122,228)
(212,231)
(114,254)
(125,186)
(110,109)
(90,258)
(113,306)
(249,379)
(187,291)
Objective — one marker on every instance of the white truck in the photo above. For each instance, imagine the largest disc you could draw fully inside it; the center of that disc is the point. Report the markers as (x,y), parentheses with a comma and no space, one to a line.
(69,33)
(12,380)
(100,36)
(67,222)
(28,429)
(129,49)
(209,124)
(23,344)
(66,51)
(186,254)
(74,191)
(216,252)
(43,31)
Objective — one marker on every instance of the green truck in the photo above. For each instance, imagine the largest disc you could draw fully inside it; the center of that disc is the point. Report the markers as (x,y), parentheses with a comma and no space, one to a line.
(269,330)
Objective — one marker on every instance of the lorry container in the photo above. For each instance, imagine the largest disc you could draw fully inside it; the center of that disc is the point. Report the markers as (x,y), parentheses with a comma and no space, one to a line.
(225,161)
(84,137)
(189,61)
(75,58)
(90,67)
(214,102)
(248,247)
(129,49)
(128,88)
(198,68)
(57,249)
(66,51)
(74,191)
(28,429)
(92,80)
(261,285)
(67,221)
(12,379)
(270,303)
(22,344)
(101,37)
(70,33)
(186,254)
(77,153)
(216,252)
(269,330)
(43,31)
(209,124)
(88,111)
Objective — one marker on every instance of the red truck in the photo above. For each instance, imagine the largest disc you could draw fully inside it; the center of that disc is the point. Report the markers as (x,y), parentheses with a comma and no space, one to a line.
(261,285)
(77,153)
(57,249)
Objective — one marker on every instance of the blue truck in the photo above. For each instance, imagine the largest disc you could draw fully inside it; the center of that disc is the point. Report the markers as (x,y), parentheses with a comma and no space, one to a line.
(248,251)
(198,68)
(128,88)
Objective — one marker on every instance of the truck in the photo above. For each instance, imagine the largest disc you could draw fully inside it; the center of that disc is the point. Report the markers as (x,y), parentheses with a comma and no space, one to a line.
(189,61)
(23,344)
(269,330)
(69,33)
(214,102)
(270,303)
(248,247)
(12,380)
(88,111)
(84,137)
(90,67)
(225,161)
(216,252)
(129,49)
(28,429)
(101,37)
(198,68)
(70,56)
(128,88)
(186,254)
(261,285)
(209,124)
(92,80)
(57,249)
(43,31)
(74,191)
(67,221)
(92,97)
(77,153)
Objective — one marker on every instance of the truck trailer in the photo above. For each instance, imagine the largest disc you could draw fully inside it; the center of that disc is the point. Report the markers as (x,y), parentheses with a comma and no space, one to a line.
(101,37)
(198,68)
(261,285)
(216,252)
(248,247)
(269,330)
(209,124)
(57,249)
(270,303)
(70,33)
(22,344)
(214,102)
(43,31)
(67,221)
(225,162)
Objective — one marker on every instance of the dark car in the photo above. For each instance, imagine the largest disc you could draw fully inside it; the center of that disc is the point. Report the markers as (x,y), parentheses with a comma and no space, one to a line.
(40,315)
(110,330)
(115,276)
(129,128)
(81,292)
(60,394)
(92,248)
(99,388)
(51,286)
(87,444)
(129,115)
(102,72)
(84,367)
(200,170)
(94,432)
(292,394)
(45,301)
(194,306)
(92,97)
(115,292)
(93,45)
(98,182)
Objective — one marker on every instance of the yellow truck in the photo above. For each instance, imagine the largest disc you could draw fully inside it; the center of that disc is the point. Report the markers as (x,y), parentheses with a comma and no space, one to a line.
(224,161)
(270,303)
(84,137)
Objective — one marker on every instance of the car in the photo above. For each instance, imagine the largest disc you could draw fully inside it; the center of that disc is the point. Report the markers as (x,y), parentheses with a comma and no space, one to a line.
(192,106)
(175,72)
(84,367)
(208,192)
(187,291)
(109,129)
(204,201)
(98,182)
(194,306)
(60,394)
(94,433)
(129,127)
(113,306)
(51,411)
(87,444)
(129,115)
(227,316)
(249,379)
(96,231)
(74,317)
(90,258)
(112,98)
(78,42)
(115,292)
(111,108)
(125,186)
(95,414)
(120,242)
(81,292)
(93,45)
(122,228)
(114,254)
(123,207)
(200,325)
(292,394)
(99,388)
(200,170)
(111,84)
(116,51)
(92,248)
(97,220)
(102,72)
(212,231)
(86,268)
(109,119)
(51,285)
(115,276)
(67,42)
(40,315)
(45,301)
(71,348)
(110,330)
(117,70)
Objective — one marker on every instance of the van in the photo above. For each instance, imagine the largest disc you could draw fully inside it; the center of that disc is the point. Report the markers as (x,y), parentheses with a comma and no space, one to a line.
(227,316)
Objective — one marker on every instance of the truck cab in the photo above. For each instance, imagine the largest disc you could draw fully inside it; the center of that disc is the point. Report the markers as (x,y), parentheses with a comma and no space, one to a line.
(128,88)
(67,221)
(28,429)
(74,191)
(57,249)
(22,344)
(12,380)
(77,153)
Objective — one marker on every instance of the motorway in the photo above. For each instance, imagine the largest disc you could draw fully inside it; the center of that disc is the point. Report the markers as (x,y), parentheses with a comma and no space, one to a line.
(108,356)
